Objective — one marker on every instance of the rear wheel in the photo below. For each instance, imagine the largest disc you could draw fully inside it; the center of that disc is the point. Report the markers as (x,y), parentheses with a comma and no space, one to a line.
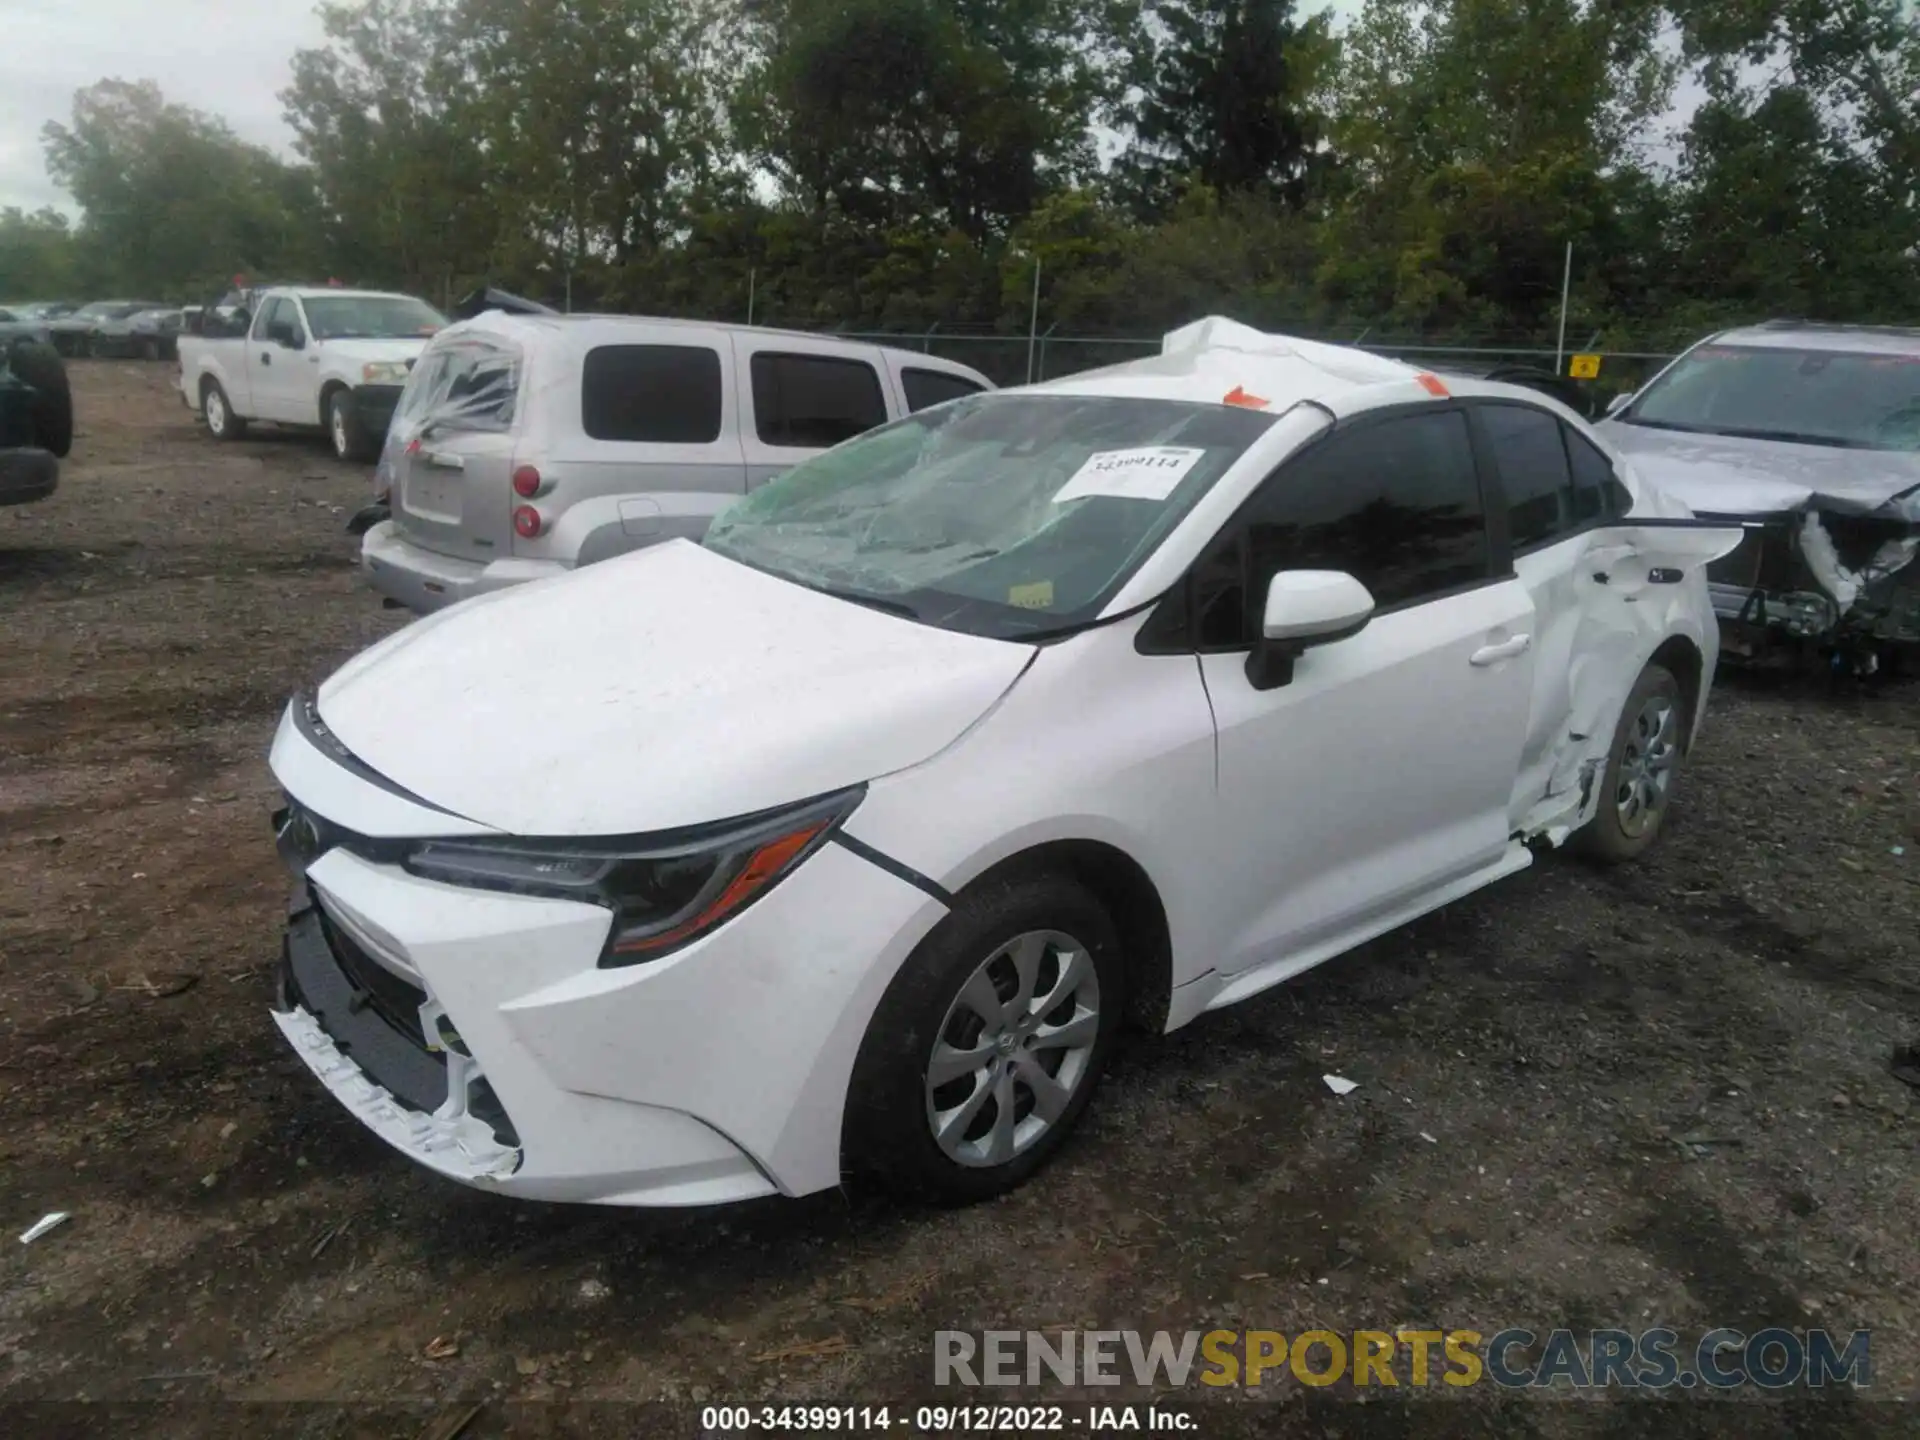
(1638,785)
(987,1047)
(222,423)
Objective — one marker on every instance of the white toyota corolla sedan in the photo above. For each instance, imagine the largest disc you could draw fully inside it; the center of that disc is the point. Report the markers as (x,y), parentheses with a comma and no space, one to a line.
(848,841)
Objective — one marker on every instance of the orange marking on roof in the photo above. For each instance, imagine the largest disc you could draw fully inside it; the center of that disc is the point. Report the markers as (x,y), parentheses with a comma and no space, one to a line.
(1239,396)
(1432,385)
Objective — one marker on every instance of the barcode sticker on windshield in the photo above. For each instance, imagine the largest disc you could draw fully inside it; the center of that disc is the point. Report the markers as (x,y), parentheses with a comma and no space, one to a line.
(1149,473)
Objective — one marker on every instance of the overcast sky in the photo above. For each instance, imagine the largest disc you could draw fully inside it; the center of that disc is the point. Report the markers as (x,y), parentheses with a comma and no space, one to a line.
(229,57)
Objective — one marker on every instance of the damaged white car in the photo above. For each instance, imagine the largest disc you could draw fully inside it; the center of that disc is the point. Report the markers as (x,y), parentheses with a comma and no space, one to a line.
(848,840)
(1810,435)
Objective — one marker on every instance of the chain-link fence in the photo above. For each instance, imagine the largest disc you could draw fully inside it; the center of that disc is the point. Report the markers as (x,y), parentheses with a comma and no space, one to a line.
(1015,359)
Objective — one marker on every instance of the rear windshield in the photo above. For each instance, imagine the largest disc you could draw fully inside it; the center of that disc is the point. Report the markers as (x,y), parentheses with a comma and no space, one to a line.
(471,382)
(371,317)
(1807,397)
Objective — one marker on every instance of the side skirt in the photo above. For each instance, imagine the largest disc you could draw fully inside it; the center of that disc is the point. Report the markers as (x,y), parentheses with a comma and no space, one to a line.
(1216,992)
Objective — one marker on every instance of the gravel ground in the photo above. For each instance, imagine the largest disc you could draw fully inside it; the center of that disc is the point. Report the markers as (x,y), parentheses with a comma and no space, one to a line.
(1656,1095)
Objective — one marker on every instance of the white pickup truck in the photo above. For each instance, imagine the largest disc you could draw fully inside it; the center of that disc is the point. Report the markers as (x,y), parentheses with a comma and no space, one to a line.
(309,356)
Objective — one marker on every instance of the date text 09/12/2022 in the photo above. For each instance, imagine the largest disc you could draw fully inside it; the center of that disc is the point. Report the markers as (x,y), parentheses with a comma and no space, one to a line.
(949,1419)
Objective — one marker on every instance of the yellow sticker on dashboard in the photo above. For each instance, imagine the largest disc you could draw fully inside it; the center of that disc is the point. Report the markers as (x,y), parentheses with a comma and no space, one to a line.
(1037,596)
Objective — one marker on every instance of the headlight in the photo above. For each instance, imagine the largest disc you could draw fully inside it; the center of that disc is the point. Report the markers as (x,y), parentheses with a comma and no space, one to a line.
(664,890)
(384,372)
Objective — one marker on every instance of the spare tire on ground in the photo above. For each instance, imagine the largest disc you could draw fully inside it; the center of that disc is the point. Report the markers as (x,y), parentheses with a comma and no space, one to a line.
(40,366)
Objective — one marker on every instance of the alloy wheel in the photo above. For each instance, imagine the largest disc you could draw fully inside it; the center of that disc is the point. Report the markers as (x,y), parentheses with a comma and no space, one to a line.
(1014,1050)
(1647,759)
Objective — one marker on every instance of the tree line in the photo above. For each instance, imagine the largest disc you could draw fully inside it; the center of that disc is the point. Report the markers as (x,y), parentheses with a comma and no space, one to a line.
(902,164)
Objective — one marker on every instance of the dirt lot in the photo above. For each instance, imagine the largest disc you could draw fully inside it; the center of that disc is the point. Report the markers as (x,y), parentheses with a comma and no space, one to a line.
(1654,1096)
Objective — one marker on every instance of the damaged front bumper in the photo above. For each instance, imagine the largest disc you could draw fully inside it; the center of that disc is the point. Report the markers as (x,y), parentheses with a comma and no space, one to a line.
(1834,580)
(345,1014)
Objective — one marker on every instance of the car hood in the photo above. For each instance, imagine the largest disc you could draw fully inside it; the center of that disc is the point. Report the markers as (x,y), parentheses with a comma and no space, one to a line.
(361,352)
(1731,475)
(664,688)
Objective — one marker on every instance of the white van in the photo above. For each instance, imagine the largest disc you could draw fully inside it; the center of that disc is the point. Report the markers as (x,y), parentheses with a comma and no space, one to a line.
(527,445)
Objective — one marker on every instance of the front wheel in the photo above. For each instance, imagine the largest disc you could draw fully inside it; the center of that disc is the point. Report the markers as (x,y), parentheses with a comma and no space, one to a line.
(1638,786)
(347,434)
(987,1046)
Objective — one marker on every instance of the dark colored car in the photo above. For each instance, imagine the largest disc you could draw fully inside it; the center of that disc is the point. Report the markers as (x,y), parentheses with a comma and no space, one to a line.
(81,332)
(147,335)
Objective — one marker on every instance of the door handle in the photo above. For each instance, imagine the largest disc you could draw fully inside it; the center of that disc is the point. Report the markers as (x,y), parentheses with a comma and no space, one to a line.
(265,358)
(1505,650)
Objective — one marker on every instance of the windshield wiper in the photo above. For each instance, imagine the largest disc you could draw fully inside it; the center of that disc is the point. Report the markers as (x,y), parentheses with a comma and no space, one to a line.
(1797,437)
(1628,418)
(872,602)
(1785,437)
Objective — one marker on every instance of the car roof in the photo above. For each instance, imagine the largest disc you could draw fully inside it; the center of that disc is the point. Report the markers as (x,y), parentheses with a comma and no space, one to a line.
(1221,361)
(587,330)
(1817,335)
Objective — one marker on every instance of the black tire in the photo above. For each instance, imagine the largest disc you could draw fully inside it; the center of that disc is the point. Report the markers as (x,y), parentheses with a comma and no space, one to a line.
(217,411)
(889,1136)
(1609,837)
(41,367)
(346,432)
(149,349)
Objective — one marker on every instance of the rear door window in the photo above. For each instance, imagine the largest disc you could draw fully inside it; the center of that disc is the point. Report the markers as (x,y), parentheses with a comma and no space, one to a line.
(657,394)
(1598,493)
(811,402)
(1531,457)
(927,388)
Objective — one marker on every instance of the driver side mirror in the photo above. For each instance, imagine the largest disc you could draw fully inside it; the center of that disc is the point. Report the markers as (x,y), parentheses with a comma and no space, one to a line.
(1304,608)
(283,333)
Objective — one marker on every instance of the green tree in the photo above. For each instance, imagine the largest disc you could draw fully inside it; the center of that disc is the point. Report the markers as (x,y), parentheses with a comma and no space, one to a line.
(960,114)
(1223,105)
(171,197)
(39,258)
(1477,137)
(376,113)
(599,119)
(1797,185)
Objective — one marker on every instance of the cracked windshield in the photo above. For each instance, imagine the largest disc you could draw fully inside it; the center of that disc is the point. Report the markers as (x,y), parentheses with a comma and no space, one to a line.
(1000,515)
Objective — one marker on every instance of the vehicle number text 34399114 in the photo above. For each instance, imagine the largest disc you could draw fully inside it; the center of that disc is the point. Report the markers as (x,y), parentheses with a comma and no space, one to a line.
(923,1419)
